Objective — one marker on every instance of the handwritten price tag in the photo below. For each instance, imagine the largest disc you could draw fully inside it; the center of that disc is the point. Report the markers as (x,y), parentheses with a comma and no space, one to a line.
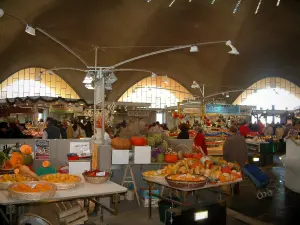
(100,174)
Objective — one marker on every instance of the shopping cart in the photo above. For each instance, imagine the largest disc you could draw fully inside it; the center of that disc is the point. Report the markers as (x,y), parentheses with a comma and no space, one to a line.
(259,179)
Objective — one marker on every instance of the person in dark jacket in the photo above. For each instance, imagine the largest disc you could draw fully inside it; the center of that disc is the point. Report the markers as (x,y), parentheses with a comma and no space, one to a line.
(88,129)
(184,133)
(52,131)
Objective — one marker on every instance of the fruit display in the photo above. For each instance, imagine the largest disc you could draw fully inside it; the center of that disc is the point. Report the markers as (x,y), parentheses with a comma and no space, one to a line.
(186,181)
(7,179)
(155,174)
(95,173)
(171,157)
(14,178)
(96,176)
(216,169)
(34,187)
(60,178)
(157,155)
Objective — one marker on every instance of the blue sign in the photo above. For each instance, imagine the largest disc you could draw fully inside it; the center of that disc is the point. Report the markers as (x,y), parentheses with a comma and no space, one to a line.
(222,109)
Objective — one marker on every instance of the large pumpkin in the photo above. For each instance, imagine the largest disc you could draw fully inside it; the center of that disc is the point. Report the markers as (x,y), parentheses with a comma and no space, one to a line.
(171,158)
(26,149)
(16,159)
(138,141)
(120,143)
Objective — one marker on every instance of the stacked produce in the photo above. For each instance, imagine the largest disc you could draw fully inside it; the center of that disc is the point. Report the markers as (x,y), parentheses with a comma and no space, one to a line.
(216,169)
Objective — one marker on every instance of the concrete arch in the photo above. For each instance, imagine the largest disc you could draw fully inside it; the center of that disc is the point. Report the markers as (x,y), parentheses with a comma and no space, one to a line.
(269,83)
(159,91)
(23,83)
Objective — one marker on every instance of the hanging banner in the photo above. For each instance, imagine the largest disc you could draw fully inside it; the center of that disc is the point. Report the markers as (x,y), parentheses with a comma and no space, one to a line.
(42,150)
(246,109)
(138,113)
(222,109)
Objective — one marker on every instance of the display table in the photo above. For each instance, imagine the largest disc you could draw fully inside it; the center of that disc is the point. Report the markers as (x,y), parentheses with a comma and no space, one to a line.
(85,190)
(164,183)
(292,166)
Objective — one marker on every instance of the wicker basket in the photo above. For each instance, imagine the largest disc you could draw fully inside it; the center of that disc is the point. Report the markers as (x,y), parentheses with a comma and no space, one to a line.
(66,185)
(5,185)
(96,180)
(36,196)
(187,184)
(154,178)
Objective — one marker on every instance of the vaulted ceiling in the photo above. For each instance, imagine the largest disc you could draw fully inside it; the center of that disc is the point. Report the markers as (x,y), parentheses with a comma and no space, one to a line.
(268,42)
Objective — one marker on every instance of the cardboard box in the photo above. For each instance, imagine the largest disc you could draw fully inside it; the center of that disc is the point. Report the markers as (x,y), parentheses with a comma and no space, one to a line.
(154,202)
(120,157)
(142,154)
(144,193)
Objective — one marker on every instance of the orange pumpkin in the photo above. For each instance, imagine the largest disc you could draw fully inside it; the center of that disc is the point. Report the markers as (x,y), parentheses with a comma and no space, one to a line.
(26,149)
(16,159)
(171,158)
(46,164)
(138,141)
(120,143)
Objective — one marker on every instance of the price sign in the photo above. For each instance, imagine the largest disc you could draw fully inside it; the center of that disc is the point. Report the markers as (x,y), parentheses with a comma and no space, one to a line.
(100,174)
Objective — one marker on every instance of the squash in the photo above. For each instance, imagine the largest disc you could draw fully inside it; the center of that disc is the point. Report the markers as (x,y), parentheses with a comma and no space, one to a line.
(171,158)
(26,149)
(46,164)
(16,159)
(120,143)
(138,141)
(27,160)
(180,155)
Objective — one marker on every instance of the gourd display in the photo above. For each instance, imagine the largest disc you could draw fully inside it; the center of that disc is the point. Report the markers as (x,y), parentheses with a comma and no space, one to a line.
(138,141)
(171,158)
(46,164)
(120,143)
(26,149)
(16,159)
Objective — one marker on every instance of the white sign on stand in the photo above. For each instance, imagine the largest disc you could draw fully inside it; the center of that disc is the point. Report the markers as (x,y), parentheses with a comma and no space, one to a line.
(80,148)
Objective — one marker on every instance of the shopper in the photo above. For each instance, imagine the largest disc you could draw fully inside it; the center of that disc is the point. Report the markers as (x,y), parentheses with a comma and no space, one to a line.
(79,130)
(89,129)
(52,131)
(244,129)
(63,129)
(269,131)
(14,131)
(184,133)
(235,148)
(261,127)
(199,142)
(3,130)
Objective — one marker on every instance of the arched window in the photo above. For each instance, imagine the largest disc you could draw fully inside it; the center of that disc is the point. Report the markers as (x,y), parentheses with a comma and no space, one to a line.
(276,91)
(159,91)
(25,83)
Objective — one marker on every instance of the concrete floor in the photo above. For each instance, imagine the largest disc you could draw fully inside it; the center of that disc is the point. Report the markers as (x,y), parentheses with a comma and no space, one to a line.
(130,213)
(281,209)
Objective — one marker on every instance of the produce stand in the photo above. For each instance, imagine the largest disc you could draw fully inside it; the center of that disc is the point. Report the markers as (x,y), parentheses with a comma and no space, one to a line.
(184,192)
(262,150)
(92,192)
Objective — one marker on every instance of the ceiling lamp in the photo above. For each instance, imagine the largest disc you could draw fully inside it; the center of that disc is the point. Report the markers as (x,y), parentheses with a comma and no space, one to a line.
(1,12)
(277,4)
(111,78)
(153,75)
(194,48)
(108,87)
(172,3)
(88,78)
(89,86)
(30,30)
(227,95)
(195,85)
(233,51)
